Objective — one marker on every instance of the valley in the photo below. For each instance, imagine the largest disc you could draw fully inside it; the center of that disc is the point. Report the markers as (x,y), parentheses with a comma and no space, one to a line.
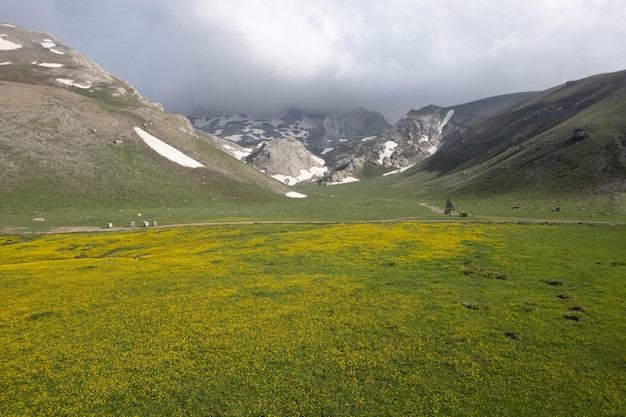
(161,264)
(93,151)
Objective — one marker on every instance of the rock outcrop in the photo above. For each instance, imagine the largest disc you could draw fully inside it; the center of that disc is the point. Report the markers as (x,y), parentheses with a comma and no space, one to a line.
(287,160)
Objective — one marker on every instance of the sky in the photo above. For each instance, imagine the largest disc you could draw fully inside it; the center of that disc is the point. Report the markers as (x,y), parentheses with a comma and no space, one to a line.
(260,57)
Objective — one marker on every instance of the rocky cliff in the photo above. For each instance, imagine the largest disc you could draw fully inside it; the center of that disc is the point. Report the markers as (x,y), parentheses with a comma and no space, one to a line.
(338,128)
(413,138)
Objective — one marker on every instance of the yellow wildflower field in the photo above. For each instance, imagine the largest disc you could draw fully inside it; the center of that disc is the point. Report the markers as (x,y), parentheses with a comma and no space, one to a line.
(455,319)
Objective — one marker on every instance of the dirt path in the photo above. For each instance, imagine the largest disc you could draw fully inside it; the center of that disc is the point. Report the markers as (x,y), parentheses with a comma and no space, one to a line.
(432,208)
(482,219)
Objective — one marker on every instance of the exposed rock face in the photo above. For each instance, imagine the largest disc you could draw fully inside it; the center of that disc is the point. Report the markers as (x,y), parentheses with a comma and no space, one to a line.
(422,129)
(348,141)
(287,159)
(317,132)
(336,128)
(415,137)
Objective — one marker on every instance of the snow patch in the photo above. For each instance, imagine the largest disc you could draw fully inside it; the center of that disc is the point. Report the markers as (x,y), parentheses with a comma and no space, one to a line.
(368,138)
(8,45)
(231,118)
(446,120)
(345,181)
(293,194)
(238,154)
(318,160)
(234,138)
(399,170)
(50,65)
(305,174)
(390,147)
(5,63)
(200,122)
(433,149)
(7,25)
(326,150)
(50,45)
(71,83)
(166,150)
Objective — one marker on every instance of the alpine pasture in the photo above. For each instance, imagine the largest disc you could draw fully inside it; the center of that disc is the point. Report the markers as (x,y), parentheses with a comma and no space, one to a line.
(450,318)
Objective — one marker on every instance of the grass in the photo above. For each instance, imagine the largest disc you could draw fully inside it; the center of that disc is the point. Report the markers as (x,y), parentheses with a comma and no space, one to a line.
(330,203)
(315,319)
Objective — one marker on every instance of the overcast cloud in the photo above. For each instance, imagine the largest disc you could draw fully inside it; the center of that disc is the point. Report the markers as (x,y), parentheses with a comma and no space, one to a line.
(204,57)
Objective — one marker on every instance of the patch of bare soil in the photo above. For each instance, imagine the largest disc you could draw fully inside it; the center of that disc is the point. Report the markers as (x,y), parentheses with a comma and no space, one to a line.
(432,208)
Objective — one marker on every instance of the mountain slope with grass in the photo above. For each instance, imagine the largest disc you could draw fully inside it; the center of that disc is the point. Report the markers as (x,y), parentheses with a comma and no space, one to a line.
(74,135)
(568,140)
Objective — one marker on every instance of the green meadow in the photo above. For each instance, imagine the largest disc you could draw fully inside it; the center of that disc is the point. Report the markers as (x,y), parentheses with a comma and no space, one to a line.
(384,319)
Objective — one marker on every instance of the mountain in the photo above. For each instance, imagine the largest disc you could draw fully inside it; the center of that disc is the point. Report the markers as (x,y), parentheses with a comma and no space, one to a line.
(414,138)
(570,139)
(72,132)
(320,134)
(352,145)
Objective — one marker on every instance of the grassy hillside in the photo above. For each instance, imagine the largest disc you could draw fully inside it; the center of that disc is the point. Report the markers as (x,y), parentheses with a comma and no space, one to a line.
(565,143)
(60,149)
(69,150)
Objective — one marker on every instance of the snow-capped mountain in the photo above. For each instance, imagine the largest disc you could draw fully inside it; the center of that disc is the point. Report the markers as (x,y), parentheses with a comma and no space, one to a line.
(346,142)
(319,133)
(250,131)
(343,143)
(254,139)
(330,142)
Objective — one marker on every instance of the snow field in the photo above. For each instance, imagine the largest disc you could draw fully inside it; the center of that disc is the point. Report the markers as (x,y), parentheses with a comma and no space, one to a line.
(167,151)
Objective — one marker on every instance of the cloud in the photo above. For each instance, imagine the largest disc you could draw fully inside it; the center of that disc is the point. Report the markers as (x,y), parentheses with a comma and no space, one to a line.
(286,39)
(262,56)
